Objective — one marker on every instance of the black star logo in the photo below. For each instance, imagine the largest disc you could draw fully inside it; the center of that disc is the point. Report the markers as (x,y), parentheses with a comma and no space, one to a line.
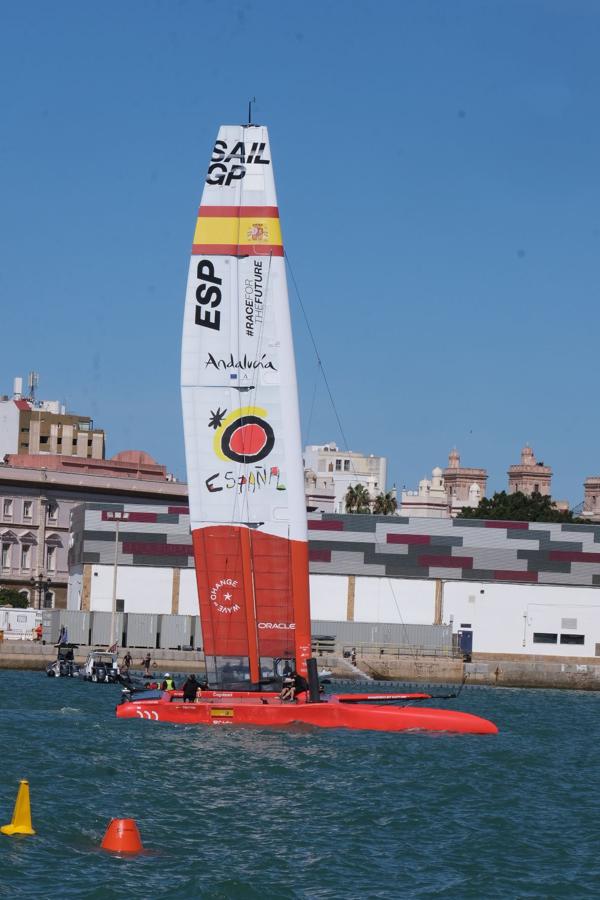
(216,418)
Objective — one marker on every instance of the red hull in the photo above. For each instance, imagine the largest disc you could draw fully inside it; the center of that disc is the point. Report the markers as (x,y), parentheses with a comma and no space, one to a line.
(227,708)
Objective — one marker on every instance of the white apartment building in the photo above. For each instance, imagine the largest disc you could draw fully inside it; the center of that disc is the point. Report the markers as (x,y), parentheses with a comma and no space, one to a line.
(329,472)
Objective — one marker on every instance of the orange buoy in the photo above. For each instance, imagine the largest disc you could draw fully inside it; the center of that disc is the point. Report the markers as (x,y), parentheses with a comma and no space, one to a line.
(122,836)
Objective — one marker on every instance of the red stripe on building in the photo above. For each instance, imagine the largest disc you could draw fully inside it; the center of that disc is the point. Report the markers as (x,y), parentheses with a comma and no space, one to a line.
(332,525)
(121,517)
(154,548)
(574,556)
(408,539)
(237,250)
(500,524)
(507,575)
(446,562)
(178,510)
(315,555)
(238,212)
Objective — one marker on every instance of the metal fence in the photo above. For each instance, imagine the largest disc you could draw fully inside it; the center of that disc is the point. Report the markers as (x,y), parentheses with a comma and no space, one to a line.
(150,631)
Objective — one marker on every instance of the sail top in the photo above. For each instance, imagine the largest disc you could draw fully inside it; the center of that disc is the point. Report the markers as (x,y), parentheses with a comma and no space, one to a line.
(239,390)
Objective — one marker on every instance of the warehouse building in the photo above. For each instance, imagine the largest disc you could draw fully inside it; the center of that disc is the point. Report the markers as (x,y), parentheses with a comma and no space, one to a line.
(504,588)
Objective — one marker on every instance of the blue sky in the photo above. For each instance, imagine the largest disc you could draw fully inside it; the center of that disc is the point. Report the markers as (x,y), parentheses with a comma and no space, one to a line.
(437,171)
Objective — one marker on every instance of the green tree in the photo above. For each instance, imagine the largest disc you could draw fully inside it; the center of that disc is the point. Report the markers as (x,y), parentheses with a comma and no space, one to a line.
(518,507)
(385,504)
(10,597)
(357,499)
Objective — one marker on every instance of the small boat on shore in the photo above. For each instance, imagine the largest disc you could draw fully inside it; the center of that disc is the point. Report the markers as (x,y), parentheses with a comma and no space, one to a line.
(101,667)
(64,666)
(245,475)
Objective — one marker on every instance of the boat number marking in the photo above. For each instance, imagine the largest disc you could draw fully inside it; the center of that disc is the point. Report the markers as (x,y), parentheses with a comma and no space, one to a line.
(146,714)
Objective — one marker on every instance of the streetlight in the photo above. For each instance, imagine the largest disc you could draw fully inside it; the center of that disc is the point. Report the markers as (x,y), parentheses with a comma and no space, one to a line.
(115,516)
(41,585)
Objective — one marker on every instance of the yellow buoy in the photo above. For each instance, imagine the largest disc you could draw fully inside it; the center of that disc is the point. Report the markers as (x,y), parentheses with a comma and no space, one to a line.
(21,820)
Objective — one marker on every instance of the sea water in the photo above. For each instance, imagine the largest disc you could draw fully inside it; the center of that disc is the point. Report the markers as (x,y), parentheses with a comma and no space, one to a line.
(256,813)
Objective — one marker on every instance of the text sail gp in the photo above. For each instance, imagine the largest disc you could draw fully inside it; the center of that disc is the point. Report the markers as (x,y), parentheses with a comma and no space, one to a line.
(241,423)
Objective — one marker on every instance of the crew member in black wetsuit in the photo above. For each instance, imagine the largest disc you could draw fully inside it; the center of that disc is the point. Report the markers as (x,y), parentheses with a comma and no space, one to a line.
(190,689)
(300,684)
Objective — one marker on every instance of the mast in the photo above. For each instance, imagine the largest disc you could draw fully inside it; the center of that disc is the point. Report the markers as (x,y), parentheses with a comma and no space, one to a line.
(241,419)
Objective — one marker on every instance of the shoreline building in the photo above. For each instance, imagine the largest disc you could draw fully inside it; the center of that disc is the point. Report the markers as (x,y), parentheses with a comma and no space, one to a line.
(37,495)
(446,492)
(465,485)
(29,426)
(329,472)
(591,498)
(50,461)
(529,476)
(514,589)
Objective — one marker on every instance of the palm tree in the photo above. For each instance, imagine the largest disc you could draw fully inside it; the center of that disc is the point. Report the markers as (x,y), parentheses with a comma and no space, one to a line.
(350,500)
(357,499)
(385,504)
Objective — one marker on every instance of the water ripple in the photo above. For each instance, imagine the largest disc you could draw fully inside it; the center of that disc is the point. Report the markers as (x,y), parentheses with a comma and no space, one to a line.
(302,814)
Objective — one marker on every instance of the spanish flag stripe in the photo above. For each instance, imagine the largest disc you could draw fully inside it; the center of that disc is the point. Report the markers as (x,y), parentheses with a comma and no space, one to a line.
(269,212)
(233,230)
(237,250)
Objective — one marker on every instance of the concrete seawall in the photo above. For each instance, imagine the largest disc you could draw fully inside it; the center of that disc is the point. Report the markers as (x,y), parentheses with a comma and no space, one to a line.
(35,655)
(527,672)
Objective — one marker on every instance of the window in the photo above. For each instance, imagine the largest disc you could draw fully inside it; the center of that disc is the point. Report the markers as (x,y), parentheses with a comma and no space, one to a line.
(338,465)
(6,556)
(536,488)
(53,511)
(25,556)
(346,465)
(543,637)
(572,638)
(27,508)
(51,559)
(7,507)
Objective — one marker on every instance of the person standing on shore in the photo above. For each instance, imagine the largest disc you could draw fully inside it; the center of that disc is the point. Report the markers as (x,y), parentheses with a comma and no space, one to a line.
(146,664)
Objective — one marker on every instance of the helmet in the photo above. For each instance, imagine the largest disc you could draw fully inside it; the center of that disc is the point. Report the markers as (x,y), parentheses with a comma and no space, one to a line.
(167,674)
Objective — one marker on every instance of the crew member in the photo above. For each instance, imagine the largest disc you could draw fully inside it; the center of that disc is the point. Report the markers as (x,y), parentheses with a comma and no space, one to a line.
(168,683)
(127,660)
(146,664)
(287,688)
(190,689)
(300,684)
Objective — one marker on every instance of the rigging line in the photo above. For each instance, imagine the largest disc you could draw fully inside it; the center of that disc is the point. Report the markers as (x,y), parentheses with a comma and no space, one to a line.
(312,407)
(402,623)
(322,368)
(315,348)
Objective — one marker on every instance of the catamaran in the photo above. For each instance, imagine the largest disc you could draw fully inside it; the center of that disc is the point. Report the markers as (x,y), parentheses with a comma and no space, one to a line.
(245,474)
